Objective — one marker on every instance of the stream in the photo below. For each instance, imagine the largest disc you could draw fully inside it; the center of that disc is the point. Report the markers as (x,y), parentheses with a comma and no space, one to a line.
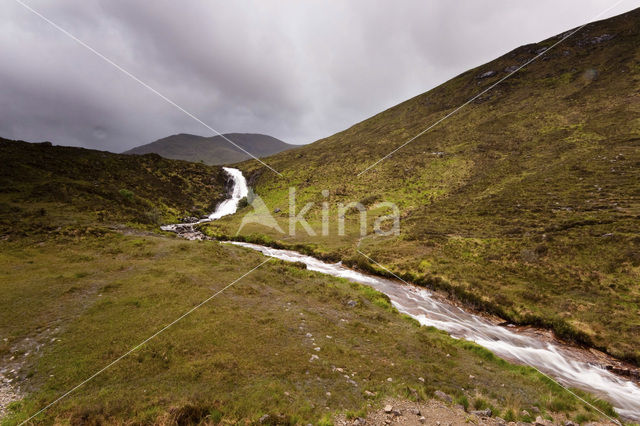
(571,366)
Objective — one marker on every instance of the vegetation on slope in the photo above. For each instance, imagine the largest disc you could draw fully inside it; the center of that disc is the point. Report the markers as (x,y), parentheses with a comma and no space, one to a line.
(283,341)
(525,203)
(214,150)
(43,187)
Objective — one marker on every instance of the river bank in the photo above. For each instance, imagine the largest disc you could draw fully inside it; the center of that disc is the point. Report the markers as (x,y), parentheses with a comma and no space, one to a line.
(573,366)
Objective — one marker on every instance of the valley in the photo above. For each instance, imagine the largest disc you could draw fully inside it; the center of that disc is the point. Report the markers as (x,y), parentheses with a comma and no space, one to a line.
(431,264)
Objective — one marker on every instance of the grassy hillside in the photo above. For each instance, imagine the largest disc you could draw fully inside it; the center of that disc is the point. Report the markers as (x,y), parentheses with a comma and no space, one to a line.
(213,150)
(43,187)
(283,342)
(526,203)
(80,285)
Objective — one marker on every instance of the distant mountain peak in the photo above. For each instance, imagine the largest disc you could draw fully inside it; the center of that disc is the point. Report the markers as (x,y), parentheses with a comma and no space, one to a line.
(213,150)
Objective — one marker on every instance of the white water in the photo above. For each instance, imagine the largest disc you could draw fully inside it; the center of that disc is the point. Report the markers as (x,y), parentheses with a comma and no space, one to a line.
(548,358)
(225,208)
(240,190)
(559,362)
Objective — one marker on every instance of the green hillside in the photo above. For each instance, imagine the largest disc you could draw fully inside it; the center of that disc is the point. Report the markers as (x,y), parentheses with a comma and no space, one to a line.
(83,278)
(44,187)
(74,303)
(526,203)
(214,150)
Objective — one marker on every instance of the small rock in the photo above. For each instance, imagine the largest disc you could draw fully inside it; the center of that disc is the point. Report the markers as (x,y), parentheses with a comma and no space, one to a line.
(388,408)
(359,421)
(569,423)
(423,420)
(525,413)
(264,418)
(535,409)
(487,74)
(471,376)
(511,69)
(600,39)
(443,396)
(352,303)
(276,210)
(309,335)
(482,413)
(316,349)
(314,357)
(328,393)
(421,379)
(540,421)
(389,379)
(369,394)
(415,411)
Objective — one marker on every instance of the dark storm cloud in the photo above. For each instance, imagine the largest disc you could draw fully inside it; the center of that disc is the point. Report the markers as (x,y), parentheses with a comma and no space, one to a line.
(296,70)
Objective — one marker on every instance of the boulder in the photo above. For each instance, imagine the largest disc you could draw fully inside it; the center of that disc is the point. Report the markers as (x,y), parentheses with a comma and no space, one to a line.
(486,74)
(264,419)
(542,422)
(443,396)
(482,413)
(600,39)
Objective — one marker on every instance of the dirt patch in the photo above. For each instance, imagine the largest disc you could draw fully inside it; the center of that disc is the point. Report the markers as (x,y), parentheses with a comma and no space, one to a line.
(8,394)
(13,382)
(433,412)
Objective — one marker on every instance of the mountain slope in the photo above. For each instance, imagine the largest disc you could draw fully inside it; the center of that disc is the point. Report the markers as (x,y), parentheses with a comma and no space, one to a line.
(79,290)
(525,203)
(213,150)
(43,187)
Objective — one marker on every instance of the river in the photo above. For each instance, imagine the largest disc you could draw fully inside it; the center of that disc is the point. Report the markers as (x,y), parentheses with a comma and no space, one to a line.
(571,366)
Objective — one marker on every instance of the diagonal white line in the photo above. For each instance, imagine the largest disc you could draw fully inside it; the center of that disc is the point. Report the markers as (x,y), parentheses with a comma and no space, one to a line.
(133,77)
(139,345)
(491,87)
(545,375)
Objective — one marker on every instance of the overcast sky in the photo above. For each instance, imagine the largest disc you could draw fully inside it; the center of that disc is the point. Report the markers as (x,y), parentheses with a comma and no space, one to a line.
(297,70)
